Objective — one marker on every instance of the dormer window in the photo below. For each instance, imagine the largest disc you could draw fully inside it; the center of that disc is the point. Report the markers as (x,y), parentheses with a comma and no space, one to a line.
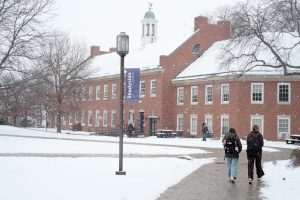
(196,50)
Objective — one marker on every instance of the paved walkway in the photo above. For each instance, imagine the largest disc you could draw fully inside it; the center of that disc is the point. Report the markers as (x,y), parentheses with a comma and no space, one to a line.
(209,182)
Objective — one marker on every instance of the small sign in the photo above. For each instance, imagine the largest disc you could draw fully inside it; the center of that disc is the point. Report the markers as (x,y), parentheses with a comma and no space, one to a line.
(132,81)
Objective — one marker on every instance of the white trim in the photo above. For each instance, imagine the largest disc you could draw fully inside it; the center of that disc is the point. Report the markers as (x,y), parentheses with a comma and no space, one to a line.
(105,118)
(281,135)
(105,92)
(224,116)
(90,118)
(290,91)
(98,92)
(179,116)
(206,94)
(262,93)
(151,88)
(209,116)
(222,92)
(258,117)
(178,93)
(193,116)
(191,97)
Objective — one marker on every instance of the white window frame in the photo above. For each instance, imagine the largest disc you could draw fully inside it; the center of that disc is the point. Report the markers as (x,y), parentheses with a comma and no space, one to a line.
(83,94)
(208,95)
(153,87)
(194,95)
(208,118)
(224,117)
(97,118)
(281,134)
(224,92)
(90,118)
(131,117)
(113,118)
(289,95)
(105,92)
(90,93)
(64,119)
(83,118)
(260,126)
(76,117)
(70,118)
(105,118)
(142,89)
(193,124)
(98,90)
(114,91)
(262,93)
(180,95)
(180,122)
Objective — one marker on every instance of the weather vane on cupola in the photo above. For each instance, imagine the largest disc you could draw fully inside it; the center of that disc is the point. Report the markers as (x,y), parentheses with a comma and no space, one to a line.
(150,5)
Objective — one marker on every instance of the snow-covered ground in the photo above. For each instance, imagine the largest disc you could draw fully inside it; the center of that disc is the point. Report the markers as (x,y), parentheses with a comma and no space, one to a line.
(92,178)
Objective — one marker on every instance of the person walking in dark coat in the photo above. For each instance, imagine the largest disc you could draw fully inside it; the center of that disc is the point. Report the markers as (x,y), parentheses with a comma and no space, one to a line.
(232,147)
(255,142)
(204,131)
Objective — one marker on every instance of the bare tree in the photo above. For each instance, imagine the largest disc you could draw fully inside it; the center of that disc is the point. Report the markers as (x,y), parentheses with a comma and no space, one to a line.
(265,34)
(22,27)
(65,63)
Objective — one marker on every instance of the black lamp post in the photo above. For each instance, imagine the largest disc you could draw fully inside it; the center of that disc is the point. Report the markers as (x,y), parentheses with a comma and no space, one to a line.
(122,50)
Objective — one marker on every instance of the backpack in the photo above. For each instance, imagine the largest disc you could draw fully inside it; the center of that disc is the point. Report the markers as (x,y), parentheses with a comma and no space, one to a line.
(229,145)
(254,144)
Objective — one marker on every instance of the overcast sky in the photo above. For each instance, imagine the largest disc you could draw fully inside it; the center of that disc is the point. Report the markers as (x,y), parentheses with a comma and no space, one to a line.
(98,22)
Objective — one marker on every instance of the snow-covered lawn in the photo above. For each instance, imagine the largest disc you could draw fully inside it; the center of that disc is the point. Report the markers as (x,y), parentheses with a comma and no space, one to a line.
(94,178)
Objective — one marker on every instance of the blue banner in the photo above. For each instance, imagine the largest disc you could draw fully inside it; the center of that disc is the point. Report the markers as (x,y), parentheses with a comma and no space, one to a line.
(132,82)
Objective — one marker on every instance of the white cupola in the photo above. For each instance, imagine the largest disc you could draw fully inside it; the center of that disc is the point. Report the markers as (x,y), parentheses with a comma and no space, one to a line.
(149,27)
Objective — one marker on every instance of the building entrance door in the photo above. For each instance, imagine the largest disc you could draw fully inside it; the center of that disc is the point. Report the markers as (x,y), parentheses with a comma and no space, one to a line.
(141,122)
(153,126)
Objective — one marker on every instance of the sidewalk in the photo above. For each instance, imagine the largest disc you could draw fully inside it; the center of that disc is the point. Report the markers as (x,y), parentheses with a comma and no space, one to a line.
(209,182)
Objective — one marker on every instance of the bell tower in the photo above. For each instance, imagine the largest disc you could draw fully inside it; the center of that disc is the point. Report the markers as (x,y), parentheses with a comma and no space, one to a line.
(149,27)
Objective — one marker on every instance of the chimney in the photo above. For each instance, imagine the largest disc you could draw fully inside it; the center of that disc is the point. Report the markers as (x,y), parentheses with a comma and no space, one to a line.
(225,25)
(200,21)
(95,51)
(112,49)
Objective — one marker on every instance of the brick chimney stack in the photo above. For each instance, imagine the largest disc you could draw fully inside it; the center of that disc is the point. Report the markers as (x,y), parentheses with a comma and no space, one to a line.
(200,21)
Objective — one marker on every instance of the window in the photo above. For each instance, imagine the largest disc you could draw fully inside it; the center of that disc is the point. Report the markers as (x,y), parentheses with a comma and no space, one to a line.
(83,93)
(113,91)
(105,118)
(64,119)
(76,117)
(82,118)
(225,93)
(153,29)
(153,88)
(208,94)
(131,117)
(180,96)
(180,122)
(90,115)
(90,93)
(148,29)
(283,93)
(259,121)
(193,125)
(196,50)
(70,118)
(257,92)
(283,125)
(97,92)
(97,119)
(224,124)
(209,122)
(113,118)
(142,88)
(105,92)
(194,95)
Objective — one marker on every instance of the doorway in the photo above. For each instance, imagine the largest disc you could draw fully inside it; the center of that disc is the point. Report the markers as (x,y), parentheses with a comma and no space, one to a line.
(153,126)
(141,122)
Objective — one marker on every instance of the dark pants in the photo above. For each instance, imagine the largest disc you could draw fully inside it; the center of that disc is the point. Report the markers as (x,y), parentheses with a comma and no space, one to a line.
(257,159)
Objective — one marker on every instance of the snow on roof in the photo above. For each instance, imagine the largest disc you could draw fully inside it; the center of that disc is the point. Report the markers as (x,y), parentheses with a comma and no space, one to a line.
(143,57)
(211,62)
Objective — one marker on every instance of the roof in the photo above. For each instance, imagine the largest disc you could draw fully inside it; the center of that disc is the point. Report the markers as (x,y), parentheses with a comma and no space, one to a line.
(149,15)
(210,63)
(143,57)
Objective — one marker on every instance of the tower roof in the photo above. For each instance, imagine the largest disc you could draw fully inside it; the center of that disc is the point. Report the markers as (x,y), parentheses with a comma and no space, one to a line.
(149,14)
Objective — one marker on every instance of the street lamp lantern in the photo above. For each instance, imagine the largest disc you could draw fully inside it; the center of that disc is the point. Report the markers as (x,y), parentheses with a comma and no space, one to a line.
(122,50)
(122,44)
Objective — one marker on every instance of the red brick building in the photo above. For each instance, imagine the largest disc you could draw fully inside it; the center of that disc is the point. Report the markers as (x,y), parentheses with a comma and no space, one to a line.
(174,98)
